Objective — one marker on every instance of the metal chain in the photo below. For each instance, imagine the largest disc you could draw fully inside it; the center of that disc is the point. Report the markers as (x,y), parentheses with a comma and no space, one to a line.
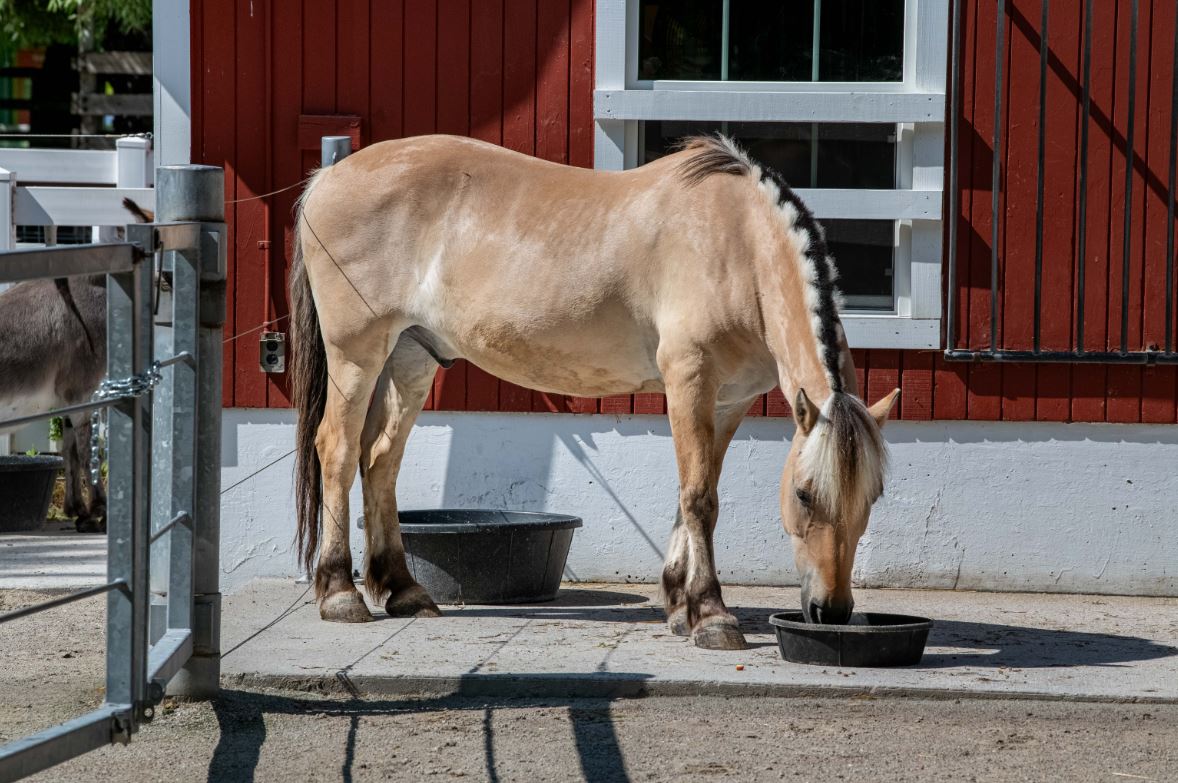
(122,388)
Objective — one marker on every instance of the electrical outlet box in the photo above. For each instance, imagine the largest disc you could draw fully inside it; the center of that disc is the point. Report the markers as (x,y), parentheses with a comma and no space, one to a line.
(272,355)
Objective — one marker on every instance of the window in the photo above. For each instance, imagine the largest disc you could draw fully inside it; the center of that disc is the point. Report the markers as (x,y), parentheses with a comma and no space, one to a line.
(846,98)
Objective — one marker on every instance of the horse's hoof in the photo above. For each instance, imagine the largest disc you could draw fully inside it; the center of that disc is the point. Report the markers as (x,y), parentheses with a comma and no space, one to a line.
(412,602)
(718,633)
(677,622)
(345,606)
(89,525)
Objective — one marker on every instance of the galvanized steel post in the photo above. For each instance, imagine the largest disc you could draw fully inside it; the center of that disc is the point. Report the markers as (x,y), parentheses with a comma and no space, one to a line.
(333,149)
(197,193)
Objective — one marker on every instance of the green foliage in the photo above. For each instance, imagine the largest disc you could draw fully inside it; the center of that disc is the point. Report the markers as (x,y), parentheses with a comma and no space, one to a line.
(55,428)
(32,23)
(32,452)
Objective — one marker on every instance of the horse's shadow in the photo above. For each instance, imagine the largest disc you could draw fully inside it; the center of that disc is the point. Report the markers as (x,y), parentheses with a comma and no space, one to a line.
(951,643)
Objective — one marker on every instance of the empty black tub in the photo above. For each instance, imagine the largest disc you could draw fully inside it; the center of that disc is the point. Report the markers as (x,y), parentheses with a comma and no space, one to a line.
(26,489)
(482,556)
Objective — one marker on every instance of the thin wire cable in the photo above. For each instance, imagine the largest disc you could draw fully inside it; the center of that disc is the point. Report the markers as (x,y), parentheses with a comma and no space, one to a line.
(237,484)
(300,183)
(258,328)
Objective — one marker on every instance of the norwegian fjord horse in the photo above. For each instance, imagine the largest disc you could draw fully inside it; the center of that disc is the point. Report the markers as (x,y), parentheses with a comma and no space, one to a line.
(700,275)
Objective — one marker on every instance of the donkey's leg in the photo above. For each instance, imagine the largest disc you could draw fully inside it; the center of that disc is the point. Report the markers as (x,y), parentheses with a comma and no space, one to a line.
(399,396)
(338,444)
(95,507)
(674,579)
(691,405)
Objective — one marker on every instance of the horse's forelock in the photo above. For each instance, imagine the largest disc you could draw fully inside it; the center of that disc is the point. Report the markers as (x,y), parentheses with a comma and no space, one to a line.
(845,457)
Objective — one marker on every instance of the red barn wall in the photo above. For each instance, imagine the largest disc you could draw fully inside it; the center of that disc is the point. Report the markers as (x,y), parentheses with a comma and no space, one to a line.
(269,79)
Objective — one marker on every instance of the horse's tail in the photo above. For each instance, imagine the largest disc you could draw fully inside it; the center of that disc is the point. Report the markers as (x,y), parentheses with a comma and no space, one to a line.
(308,374)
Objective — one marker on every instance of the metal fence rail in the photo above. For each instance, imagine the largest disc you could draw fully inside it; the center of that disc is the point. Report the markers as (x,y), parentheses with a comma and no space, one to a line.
(1077,352)
(183,447)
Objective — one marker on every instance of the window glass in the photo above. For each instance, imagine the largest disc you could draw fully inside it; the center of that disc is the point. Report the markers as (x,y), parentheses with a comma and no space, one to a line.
(845,155)
(808,155)
(772,40)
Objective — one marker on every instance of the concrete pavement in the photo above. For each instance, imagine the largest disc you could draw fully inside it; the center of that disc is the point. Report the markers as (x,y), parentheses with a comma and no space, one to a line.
(610,640)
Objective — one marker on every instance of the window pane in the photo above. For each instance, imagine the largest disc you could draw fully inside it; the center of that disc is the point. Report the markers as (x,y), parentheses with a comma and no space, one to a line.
(772,40)
(846,155)
(680,40)
(863,251)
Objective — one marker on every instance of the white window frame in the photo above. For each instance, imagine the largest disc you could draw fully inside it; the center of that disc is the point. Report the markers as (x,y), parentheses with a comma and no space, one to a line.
(916,106)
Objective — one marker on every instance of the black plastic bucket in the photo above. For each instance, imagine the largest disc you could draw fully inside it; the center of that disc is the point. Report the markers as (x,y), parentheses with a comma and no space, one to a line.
(484,556)
(881,640)
(26,490)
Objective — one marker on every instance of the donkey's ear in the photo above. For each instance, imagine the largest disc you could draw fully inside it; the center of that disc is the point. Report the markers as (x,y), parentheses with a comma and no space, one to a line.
(881,409)
(805,412)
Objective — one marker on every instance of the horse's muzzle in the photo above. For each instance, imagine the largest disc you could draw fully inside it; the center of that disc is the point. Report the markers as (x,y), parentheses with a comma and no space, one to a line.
(830,612)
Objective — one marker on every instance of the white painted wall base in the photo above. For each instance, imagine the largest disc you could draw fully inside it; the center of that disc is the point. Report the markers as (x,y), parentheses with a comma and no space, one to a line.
(969,505)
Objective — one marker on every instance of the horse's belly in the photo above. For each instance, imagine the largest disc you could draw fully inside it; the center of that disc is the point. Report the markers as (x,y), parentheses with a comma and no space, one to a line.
(580,365)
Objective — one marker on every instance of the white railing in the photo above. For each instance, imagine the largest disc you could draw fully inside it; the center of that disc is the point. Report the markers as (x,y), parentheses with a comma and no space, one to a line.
(50,188)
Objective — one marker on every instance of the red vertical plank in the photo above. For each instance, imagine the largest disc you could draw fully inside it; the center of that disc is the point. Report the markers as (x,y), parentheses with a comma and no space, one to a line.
(1157,171)
(650,403)
(1018,392)
(355,38)
(519,123)
(916,384)
(450,388)
(385,61)
(980,177)
(581,83)
(519,75)
(1053,392)
(218,60)
(1124,393)
(420,48)
(552,80)
(1061,174)
(966,237)
(757,407)
(950,389)
(286,53)
(775,404)
(884,376)
(486,123)
(453,55)
(250,305)
(1089,387)
(1020,137)
(860,359)
(618,404)
(1158,394)
(319,61)
(984,392)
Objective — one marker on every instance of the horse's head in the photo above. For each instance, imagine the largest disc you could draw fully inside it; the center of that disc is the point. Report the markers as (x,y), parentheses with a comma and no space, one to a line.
(834,474)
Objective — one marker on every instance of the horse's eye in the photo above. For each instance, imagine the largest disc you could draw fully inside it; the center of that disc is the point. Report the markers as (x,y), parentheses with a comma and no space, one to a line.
(804,497)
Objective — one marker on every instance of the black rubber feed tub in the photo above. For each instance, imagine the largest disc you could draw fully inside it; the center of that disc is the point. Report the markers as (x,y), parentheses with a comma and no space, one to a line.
(484,556)
(879,640)
(26,489)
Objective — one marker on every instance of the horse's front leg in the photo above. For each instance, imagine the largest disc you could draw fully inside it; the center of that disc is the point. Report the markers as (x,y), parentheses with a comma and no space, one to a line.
(691,406)
(674,579)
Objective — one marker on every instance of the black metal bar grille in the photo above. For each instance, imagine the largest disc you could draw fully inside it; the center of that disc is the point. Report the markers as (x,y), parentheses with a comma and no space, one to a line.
(1077,352)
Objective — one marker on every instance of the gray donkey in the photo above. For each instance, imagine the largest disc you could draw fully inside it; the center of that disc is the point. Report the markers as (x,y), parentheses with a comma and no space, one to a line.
(53,353)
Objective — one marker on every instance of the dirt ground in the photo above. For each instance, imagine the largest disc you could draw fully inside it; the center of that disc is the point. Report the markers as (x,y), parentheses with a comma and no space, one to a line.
(53,670)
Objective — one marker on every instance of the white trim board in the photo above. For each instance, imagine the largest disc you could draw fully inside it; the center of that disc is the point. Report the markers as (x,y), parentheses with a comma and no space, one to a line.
(798,106)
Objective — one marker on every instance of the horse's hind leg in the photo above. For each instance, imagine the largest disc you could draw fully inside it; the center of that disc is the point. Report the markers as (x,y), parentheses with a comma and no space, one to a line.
(400,394)
(338,443)
(691,407)
(674,580)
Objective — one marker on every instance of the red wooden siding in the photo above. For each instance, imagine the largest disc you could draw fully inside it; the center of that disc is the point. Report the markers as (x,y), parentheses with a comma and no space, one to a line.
(269,79)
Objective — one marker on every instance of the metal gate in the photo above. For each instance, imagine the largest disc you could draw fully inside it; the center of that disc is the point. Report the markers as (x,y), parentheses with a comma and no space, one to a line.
(1125,353)
(162,625)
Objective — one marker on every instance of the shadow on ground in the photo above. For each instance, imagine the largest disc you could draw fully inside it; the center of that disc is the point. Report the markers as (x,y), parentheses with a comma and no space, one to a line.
(241,719)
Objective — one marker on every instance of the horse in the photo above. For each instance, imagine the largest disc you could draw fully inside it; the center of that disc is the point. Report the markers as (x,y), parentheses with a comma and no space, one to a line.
(54,354)
(700,275)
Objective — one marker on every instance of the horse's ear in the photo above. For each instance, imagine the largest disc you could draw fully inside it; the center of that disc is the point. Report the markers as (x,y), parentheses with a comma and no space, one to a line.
(805,412)
(881,409)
